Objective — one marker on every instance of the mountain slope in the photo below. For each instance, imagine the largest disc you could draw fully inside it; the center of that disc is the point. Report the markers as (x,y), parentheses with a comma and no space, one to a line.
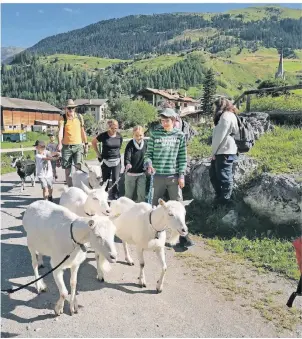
(7,53)
(127,37)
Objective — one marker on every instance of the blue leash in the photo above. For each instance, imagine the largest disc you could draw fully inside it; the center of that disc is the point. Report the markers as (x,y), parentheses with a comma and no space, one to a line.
(150,193)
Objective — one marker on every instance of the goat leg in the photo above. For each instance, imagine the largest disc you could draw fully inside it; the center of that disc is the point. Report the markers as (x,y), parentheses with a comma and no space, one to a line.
(161,255)
(73,285)
(128,258)
(40,285)
(58,276)
(142,279)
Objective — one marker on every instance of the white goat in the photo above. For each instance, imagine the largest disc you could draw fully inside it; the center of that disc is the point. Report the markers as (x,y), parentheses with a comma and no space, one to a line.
(85,201)
(146,228)
(91,179)
(55,231)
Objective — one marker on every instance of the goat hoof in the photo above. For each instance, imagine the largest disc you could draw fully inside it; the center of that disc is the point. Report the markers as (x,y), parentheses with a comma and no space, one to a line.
(101,280)
(41,266)
(158,290)
(131,263)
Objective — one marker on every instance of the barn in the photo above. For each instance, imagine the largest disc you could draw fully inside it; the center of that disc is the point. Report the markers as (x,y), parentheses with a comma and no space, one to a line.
(22,115)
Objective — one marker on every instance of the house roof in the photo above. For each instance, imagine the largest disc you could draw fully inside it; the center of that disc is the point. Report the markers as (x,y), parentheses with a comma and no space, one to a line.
(174,96)
(90,102)
(186,113)
(48,122)
(16,103)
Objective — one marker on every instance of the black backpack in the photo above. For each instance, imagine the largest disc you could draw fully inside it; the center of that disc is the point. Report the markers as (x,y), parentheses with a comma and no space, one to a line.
(245,139)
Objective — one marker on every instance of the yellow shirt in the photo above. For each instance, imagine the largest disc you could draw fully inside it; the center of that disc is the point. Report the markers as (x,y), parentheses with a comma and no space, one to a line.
(72,131)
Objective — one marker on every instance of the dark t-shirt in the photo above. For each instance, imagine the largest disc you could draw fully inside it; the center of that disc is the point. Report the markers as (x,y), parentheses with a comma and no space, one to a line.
(110,145)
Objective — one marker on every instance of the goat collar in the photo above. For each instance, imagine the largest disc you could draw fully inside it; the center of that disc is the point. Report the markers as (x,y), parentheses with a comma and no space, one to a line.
(82,246)
(157,234)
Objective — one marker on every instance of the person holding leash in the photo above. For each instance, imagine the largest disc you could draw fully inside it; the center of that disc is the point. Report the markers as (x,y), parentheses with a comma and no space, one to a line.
(71,137)
(166,159)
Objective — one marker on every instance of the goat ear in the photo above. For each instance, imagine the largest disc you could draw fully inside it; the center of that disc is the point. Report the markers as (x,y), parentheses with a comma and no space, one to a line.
(11,157)
(162,203)
(186,202)
(91,224)
(85,188)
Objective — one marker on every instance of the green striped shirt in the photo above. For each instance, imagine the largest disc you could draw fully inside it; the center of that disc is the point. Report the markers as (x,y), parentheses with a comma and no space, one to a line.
(167,152)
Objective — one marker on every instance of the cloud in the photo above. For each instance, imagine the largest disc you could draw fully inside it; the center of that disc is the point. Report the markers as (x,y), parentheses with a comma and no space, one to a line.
(41,11)
(17,13)
(67,9)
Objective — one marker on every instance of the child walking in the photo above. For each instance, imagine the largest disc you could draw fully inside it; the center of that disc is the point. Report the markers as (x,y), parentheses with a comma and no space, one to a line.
(135,179)
(44,168)
(52,147)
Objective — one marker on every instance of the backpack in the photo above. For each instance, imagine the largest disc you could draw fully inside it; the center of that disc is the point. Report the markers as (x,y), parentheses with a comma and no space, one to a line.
(65,121)
(245,140)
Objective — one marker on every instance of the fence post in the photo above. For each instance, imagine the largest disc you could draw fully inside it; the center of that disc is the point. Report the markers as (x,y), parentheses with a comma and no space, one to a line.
(248,103)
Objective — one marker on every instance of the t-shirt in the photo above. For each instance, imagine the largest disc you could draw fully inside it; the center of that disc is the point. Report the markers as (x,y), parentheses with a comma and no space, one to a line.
(110,145)
(52,147)
(72,130)
(43,167)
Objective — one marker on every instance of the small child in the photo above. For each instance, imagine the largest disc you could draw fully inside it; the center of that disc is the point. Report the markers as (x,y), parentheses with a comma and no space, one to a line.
(44,168)
(52,147)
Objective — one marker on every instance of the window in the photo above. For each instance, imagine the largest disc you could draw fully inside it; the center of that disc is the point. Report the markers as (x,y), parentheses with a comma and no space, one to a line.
(185,105)
(92,109)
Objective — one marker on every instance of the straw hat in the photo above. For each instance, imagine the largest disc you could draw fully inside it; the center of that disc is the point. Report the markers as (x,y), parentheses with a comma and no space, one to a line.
(70,103)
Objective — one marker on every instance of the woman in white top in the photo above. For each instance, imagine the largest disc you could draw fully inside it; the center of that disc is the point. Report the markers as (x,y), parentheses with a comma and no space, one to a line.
(224,150)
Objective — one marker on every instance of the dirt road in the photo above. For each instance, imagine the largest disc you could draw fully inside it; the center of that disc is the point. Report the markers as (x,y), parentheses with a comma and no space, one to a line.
(205,294)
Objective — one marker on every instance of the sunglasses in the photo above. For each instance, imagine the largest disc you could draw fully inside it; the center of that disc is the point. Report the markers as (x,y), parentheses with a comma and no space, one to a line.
(70,108)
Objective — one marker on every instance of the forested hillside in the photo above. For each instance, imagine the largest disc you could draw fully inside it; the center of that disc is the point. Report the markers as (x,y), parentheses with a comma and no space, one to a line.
(130,36)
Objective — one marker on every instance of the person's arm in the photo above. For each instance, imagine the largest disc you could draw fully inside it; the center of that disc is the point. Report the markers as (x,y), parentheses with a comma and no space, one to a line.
(149,155)
(182,161)
(221,132)
(49,155)
(60,135)
(94,144)
(127,156)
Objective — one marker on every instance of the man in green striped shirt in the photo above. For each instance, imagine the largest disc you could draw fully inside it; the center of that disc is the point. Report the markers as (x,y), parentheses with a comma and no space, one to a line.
(166,158)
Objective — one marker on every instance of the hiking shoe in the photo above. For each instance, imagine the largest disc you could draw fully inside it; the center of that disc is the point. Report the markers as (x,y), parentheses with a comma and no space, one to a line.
(186,241)
(50,199)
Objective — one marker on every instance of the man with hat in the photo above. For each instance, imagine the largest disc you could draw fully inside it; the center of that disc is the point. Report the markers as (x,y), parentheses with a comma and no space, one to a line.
(166,158)
(71,138)
(44,168)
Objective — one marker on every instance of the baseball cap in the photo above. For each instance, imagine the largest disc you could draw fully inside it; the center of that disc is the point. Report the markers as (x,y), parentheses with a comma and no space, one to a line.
(39,143)
(168,113)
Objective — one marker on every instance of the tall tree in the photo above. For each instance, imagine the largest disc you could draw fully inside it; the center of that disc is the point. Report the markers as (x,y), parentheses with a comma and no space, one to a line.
(209,91)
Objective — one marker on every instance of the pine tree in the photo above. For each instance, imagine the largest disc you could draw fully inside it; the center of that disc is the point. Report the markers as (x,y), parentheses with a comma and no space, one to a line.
(209,92)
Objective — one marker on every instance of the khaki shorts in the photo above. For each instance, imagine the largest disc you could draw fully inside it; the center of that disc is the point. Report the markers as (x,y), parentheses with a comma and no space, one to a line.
(46,182)
(72,154)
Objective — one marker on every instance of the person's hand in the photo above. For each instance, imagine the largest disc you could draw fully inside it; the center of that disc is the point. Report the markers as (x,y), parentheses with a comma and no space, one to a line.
(86,149)
(128,167)
(59,147)
(213,157)
(150,170)
(181,182)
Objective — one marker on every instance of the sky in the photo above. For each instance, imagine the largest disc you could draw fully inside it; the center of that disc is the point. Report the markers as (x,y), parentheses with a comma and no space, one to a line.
(23,25)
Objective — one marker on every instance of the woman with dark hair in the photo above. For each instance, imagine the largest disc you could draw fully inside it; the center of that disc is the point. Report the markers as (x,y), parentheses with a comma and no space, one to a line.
(224,150)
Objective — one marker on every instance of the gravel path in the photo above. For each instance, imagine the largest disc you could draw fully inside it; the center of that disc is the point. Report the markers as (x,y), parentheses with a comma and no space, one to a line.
(191,305)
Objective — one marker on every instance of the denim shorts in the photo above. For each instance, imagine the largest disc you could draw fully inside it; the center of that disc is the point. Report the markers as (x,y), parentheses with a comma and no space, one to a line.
(46,182)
